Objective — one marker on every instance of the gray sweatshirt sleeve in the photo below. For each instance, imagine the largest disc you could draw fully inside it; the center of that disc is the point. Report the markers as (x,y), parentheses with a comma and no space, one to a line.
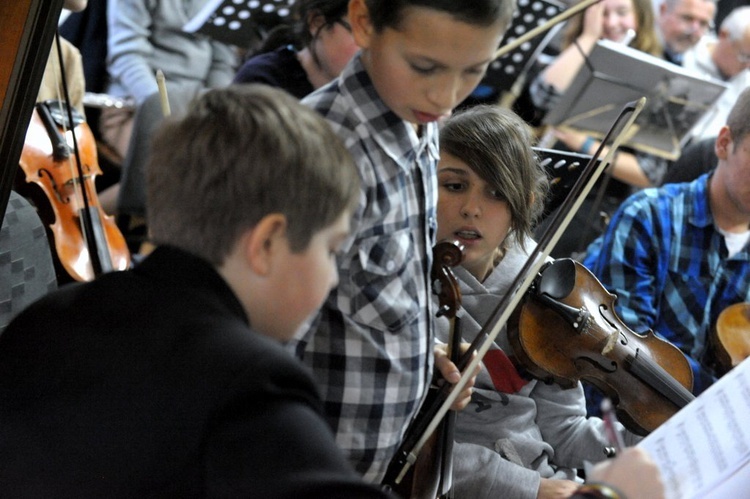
(223,65)
(129,48)
(479,472)
(562,420)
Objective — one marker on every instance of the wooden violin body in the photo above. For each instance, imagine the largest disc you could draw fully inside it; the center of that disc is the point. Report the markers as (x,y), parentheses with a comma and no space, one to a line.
(566,330)
(730,340)
(86,240)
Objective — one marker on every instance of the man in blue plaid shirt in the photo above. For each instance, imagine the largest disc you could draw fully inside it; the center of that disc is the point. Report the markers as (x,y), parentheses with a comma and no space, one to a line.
(678,255)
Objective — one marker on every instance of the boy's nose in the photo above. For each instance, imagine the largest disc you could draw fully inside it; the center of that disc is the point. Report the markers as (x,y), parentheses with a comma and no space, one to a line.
(444,94)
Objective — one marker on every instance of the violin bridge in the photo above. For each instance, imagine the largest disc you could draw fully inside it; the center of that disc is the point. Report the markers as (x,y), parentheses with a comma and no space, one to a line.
(611,342)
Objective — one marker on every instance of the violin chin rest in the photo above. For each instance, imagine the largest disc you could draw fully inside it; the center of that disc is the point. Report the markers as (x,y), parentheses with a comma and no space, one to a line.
(558,279)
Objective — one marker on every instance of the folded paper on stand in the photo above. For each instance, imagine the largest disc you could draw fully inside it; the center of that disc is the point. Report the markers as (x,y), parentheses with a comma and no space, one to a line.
(704,450)
(615,74)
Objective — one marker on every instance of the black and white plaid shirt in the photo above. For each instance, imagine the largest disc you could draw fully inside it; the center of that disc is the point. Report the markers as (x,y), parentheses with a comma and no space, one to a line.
(371,346)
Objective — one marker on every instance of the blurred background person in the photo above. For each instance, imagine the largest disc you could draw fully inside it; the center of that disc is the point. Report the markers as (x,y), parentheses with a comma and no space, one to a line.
(145,36)
(682,23)
(313,49)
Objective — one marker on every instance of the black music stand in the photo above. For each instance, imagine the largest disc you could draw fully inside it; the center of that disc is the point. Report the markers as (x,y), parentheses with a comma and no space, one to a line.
(615,74)
(563,168)
(237,22)
(507,73)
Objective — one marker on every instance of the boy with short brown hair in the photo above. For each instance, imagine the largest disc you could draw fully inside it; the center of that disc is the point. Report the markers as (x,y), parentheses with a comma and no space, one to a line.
(168,380)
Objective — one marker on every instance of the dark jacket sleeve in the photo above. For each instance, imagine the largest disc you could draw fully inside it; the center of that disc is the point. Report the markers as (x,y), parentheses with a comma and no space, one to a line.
(272,442)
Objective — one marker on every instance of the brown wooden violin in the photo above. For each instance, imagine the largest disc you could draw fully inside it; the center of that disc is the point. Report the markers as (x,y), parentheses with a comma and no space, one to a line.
(59,156)
(729,342)
(430,476)
(566,330)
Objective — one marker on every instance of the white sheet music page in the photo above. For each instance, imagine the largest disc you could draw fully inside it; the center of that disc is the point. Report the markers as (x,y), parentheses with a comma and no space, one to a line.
(704,450)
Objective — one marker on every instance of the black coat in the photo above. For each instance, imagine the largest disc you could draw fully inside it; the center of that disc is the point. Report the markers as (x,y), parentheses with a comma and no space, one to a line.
(149,383)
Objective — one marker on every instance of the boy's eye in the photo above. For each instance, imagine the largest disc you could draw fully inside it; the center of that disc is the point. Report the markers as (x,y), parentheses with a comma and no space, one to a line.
(477,71)
(422,69)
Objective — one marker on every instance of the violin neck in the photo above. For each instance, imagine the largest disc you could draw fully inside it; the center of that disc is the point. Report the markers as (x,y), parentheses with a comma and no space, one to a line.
(655,376)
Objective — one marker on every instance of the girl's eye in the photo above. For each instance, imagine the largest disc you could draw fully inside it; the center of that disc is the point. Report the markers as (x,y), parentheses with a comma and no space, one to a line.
(497,195)
(453,186)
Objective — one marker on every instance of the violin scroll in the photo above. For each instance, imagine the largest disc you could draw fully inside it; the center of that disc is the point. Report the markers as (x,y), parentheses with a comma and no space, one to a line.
(446,254)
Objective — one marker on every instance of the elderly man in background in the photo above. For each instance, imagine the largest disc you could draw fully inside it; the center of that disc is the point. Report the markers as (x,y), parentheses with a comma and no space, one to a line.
(682,23)
(725,57)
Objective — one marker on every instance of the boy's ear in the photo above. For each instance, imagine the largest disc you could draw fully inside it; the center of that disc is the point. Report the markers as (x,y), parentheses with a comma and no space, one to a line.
(264,242)
(723,143)
(359,19)
(315,21)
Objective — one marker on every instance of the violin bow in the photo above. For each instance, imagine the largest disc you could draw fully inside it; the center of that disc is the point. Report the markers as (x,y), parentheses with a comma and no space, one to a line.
(407,453)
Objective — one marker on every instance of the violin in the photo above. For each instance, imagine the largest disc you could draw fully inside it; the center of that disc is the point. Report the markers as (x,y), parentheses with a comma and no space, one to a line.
(729,341)
(430,476)
(566,330)
(59,157)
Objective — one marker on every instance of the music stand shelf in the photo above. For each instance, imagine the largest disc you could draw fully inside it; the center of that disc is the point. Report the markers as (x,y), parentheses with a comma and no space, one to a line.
(563,169)
(504,72)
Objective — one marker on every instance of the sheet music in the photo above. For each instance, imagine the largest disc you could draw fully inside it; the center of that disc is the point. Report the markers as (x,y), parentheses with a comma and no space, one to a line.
(704,449)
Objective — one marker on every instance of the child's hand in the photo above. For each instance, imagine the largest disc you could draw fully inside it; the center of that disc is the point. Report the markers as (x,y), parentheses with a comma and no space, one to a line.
(556,489)
(450,373)
(631,462)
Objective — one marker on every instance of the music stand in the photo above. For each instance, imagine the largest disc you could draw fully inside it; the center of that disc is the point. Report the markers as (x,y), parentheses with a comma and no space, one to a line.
(563,169)
(236,22)
(508,72)
(615,74)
